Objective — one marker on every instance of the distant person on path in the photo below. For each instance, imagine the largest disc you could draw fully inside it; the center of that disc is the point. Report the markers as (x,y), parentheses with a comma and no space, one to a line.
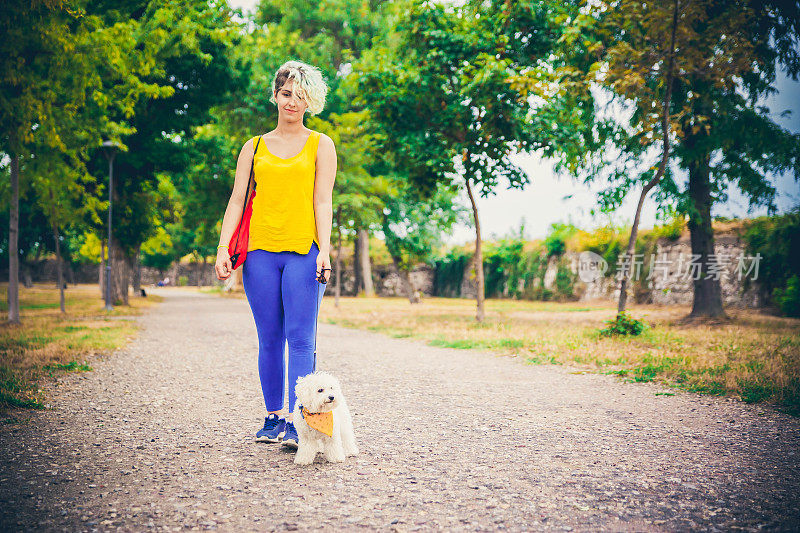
(290,234)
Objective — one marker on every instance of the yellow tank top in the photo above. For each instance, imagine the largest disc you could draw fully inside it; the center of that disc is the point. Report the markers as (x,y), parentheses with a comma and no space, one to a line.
(283,208)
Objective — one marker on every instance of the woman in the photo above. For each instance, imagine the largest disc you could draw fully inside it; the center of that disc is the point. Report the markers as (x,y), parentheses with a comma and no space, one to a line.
(288,256)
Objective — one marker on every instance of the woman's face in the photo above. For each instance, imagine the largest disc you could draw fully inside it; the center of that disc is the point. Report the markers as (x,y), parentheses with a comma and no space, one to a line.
(290,107)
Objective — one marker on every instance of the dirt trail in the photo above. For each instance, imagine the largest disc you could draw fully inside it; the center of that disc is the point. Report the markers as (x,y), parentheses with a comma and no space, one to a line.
(160,436)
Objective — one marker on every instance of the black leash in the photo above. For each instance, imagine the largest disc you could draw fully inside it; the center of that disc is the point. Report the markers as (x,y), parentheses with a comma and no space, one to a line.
(320,279)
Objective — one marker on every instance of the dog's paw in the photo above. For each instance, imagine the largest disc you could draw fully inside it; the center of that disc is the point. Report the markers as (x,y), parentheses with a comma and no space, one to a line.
(335,457)
(303,460)
(351,452)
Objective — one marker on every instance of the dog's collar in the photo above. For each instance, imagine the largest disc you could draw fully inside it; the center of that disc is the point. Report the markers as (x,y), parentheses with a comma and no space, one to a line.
(322,422)
(304,411)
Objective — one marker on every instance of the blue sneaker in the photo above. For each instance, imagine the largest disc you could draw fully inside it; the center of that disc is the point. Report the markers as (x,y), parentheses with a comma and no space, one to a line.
(290,438)
(273,429)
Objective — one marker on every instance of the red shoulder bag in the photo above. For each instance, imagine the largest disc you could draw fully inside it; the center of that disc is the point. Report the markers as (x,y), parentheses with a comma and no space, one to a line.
(240,239)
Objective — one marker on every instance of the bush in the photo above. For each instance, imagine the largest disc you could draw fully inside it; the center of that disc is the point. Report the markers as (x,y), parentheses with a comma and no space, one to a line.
(671,230)
(788,299)
(623,324)
(556,241)
(183,281)
(777,239)
(565,281)
(449,272)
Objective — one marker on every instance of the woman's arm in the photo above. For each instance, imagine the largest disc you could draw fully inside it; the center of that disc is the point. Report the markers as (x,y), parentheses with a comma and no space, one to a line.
(323,192)
(236,202)
(234,210)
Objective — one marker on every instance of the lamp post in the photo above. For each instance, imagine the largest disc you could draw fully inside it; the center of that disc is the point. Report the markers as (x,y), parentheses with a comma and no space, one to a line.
(110,150)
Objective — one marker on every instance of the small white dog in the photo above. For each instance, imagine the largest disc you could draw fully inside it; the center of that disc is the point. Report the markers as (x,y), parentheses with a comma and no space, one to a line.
(322,419)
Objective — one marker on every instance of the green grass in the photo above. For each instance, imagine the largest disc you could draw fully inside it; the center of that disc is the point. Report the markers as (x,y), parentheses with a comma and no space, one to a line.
(467,344)
(542,359)
(16,391)
(755,357)
(48,342)
(72,366)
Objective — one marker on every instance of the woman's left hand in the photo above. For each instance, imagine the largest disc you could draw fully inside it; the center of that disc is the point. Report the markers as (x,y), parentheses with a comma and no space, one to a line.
(324,261)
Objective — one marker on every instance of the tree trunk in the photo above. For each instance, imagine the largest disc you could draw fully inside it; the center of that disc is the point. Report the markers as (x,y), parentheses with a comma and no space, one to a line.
(27,269)
(359,284)
(395,254)
(364,265)
(662,166)
(119,274)
(59,272)
(405,280)
(27,277)
(13,249)
(101,275)
(707,300)
(137,271)
(338,291)
(478,258)
(630,267)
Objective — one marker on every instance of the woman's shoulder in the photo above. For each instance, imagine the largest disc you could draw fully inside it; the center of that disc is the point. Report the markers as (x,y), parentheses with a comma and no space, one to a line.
(323,140)
(250,143)
(248,148)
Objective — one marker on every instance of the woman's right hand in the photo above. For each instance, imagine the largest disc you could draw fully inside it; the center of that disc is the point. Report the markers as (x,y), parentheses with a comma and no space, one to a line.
(223,265)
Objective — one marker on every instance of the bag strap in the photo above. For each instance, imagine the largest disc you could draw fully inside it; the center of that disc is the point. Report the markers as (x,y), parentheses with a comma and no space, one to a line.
(252,173)
(251,179)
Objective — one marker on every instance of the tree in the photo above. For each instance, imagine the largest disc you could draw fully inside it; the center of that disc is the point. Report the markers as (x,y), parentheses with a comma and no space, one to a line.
(30,81)
(446,106)
(360,193)
(618,49)
(190,45)
(728,138)
(413,228)
(640,66)
(59,186)
(61,71)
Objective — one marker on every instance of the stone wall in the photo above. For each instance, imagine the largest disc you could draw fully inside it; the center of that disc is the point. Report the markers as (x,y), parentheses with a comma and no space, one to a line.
(673,276)
(45,271)
(385,279)
(669,284)
(665,287)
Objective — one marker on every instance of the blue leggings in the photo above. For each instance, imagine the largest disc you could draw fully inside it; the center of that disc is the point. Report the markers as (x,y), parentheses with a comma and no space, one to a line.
(284,295)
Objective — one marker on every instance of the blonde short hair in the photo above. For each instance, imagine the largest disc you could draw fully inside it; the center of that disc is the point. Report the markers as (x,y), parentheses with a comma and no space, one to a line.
(308,84)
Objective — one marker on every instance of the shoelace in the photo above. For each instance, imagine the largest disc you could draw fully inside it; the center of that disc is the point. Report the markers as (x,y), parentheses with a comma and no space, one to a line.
(275,421)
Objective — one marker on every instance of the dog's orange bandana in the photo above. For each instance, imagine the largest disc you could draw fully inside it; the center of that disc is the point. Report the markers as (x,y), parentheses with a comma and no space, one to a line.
(322,422)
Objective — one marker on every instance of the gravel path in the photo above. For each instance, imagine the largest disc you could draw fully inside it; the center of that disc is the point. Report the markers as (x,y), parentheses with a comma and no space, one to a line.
(160,436)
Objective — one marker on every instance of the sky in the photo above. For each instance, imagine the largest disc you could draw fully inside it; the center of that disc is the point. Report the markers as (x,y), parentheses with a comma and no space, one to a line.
(549,198)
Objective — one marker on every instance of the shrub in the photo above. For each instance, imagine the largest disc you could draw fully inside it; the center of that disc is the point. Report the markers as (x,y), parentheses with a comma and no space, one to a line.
(449,272)
(565,281)
(623,324)
(671,230)
(556,241)
(788,299)
(777,239)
